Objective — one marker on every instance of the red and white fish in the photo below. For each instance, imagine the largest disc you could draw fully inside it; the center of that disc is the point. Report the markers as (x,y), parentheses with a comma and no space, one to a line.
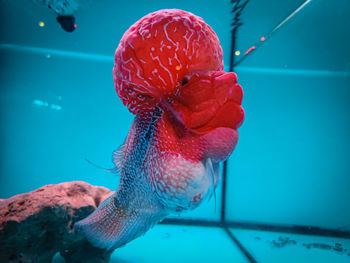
(168,72)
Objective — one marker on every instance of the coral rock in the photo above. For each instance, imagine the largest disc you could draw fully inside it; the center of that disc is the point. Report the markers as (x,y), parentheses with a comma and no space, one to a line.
(35,226)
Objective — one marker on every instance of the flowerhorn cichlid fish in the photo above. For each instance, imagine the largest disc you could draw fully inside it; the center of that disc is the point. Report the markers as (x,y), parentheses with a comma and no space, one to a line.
(168,72)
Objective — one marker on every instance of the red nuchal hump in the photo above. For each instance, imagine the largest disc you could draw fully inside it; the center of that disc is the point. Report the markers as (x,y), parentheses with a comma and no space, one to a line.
(157,52)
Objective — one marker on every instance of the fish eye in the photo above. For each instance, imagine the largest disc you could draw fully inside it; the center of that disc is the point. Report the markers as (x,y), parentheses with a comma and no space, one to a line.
(184,81)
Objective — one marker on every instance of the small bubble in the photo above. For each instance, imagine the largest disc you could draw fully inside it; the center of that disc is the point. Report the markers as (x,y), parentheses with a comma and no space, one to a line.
(56,107)
(38,102)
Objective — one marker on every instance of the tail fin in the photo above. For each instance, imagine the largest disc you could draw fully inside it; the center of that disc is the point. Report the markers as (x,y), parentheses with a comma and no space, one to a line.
(110,227)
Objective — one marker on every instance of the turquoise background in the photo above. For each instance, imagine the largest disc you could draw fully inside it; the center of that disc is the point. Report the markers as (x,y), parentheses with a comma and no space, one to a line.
(291,165)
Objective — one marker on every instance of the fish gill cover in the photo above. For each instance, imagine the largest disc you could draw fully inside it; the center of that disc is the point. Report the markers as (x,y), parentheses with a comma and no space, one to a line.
(168,72)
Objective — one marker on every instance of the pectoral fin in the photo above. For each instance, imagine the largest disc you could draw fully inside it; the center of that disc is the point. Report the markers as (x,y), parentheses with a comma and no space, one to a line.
(213,171)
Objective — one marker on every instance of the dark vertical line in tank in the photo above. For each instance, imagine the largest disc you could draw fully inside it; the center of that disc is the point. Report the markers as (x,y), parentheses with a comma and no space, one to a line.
(223,196)
(238,7)
(240,246)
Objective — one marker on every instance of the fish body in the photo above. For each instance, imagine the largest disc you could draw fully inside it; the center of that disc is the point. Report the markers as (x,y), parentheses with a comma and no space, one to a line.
(168,72)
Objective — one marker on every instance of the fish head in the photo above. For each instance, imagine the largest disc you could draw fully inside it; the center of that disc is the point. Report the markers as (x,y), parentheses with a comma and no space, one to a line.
(206,100)
(208,104)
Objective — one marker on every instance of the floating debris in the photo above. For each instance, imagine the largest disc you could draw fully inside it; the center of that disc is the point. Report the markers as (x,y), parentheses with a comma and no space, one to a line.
(337,247)
(282,241)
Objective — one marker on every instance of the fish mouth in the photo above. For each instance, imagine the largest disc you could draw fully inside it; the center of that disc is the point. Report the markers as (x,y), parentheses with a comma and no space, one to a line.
(207,101)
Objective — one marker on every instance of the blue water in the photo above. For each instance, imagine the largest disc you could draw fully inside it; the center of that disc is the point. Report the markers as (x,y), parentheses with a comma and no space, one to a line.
(291,165)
